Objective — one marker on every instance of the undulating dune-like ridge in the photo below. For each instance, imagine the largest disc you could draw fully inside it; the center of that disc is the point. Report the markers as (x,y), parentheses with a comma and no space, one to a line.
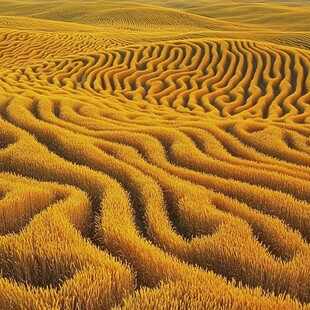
(154,155)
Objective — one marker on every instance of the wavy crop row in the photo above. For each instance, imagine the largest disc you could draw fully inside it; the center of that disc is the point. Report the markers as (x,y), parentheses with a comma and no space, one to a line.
(222,78)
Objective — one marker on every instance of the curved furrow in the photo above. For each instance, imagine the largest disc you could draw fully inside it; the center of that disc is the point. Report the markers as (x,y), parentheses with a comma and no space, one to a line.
(22,47)
(237,147)
(254,195)
(278,148)
(222,81)
(30,271)
(214,146)
(145,149)
(141,243)
(92,160)
(239,92)
(221,135)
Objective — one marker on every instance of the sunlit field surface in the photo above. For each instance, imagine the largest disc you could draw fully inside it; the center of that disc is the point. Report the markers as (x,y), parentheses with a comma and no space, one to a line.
(154,154)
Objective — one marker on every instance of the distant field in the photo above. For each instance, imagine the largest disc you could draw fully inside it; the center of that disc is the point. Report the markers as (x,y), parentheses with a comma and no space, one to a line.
(154,154)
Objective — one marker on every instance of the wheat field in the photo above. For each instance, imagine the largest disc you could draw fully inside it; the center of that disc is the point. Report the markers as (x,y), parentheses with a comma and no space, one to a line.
(154,154)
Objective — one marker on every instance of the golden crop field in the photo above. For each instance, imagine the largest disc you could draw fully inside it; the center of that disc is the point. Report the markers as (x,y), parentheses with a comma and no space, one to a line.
(154,154)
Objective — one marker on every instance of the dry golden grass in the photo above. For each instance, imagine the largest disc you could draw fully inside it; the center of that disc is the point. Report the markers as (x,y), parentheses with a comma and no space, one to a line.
(154,155)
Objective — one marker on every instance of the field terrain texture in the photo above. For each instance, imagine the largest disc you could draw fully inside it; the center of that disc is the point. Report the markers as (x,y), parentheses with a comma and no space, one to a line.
(154,154)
